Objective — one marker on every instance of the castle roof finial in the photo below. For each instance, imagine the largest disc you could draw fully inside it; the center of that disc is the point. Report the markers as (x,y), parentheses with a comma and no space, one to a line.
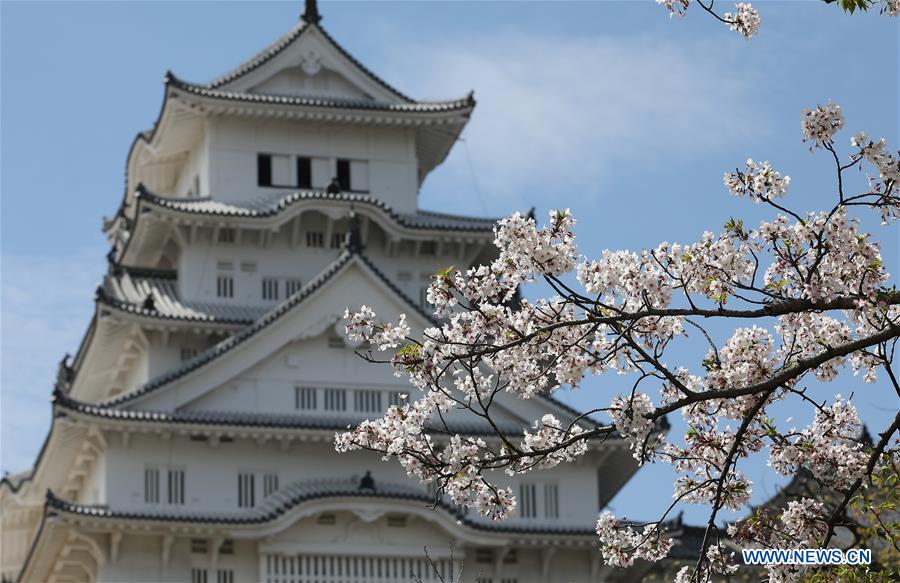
(311,13)
(354,237)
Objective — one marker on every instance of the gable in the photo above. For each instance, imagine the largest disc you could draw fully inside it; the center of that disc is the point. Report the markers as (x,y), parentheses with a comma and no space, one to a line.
(257,373)
(306,378)
(309,63)
(319,82)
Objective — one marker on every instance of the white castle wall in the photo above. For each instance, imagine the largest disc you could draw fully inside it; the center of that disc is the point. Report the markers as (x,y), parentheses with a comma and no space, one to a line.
(211,483)
(235,142)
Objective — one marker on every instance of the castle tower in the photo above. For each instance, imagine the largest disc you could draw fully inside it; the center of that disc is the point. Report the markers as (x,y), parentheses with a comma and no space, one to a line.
(192,434)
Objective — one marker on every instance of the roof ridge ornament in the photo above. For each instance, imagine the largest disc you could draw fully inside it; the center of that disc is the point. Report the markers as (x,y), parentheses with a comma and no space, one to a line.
(311,13)
(354,243)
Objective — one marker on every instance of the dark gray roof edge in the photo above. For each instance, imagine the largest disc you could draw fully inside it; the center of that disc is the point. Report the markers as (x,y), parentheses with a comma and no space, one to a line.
(443,106)
(486,223)
(235,340)
(283,308)
(105,299)
(233,418)
(286,40)
(99,511)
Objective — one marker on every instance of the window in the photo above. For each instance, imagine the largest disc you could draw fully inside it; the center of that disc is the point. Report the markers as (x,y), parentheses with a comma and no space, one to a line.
(273,170)
(224,576)
(551,501)
(336,341)
(270,484)
(151,485)
(397,398)
(327,518)
(227,235)
(270,288)
(304,173)
(227,547)
(187,353)
(224,265)
(335,400)
(246,493)
(292,285)
(224,286)
(359,176)
(199,576)
(199,546)
(175,489)
(343,174)
(315,239)
(367,401)
(248,267)
(404,276)
(396,521)
(282,173)
(484,556)
(511,557)
(337,240)
(528,500)
(304,398)
(264,170)
(429,248)
(353,175)
(196,186)
(249,483)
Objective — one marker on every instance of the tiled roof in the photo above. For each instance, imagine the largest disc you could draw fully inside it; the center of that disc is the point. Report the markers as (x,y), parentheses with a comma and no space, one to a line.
(127,289)
(255,420)
(285,41)
(298,493)
(263,322)
(272,204)
(236,339)
(459,104)
(233,341)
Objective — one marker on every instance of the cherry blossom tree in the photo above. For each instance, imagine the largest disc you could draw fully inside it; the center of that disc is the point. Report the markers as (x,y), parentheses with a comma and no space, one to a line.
(745,19)
(806,296)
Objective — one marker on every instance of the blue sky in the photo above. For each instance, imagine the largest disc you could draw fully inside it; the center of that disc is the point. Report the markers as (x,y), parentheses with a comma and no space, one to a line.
(610,108)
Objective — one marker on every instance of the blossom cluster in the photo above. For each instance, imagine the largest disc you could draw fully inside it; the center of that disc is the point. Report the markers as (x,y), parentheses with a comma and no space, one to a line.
(758,181)
(745,20)
(621,542)
(800,525)
(828,447)
(821,122)
(806,287)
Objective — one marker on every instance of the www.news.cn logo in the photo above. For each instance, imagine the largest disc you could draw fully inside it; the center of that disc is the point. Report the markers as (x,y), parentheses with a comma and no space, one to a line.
(807,556)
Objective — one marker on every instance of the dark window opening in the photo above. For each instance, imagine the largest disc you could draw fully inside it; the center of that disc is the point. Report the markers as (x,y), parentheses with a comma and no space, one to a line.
(264,170)
(343,174)
(304,173)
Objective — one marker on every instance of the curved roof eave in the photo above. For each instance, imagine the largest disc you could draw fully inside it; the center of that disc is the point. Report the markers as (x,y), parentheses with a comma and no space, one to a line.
(284,511)
(457,105)
(417,221)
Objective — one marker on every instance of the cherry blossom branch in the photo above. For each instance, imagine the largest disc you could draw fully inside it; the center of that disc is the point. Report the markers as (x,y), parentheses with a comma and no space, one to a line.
(877,452)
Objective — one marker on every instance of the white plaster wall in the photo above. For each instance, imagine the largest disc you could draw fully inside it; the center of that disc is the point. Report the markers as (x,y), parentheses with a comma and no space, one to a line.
(93,490)
(139,371)
(211,474)
(140,561)
(294,81)
(197,269)
(235,142)
(194,165)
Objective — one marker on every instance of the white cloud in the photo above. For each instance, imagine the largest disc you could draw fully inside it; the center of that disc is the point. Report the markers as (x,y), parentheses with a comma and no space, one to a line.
(558,113)
(46,305)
